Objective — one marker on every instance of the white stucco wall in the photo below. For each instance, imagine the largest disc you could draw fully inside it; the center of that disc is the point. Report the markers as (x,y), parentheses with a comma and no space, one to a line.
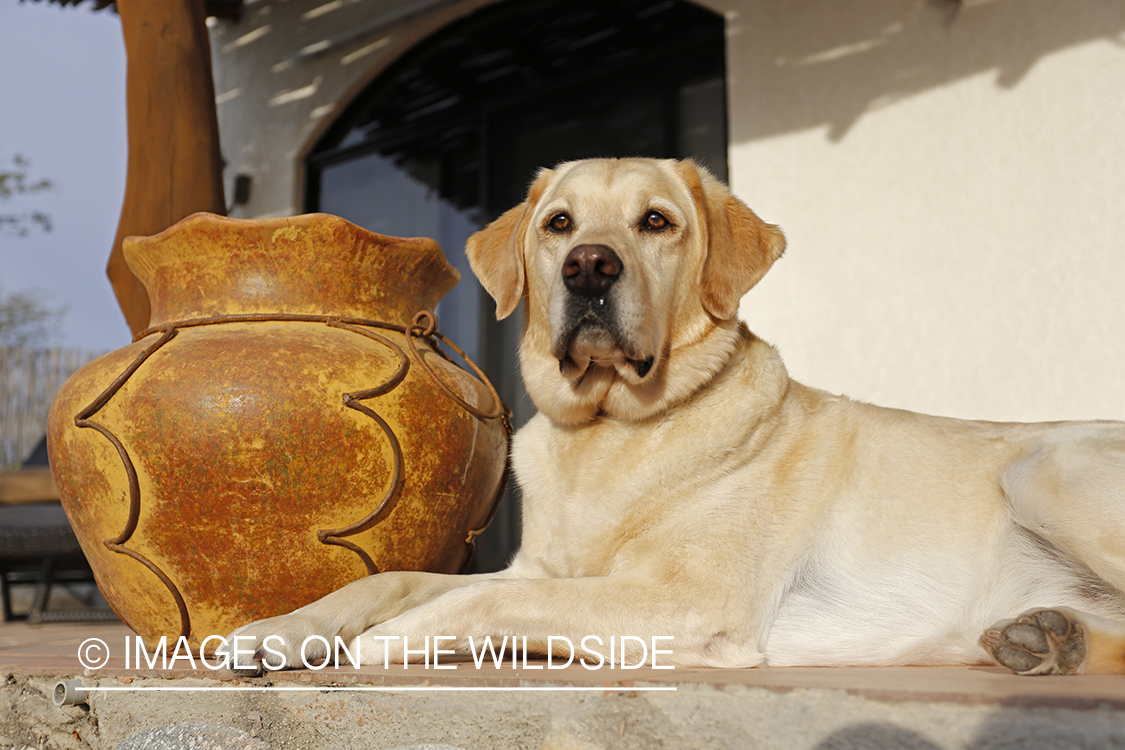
(951,179)
(284,72)
(952,184)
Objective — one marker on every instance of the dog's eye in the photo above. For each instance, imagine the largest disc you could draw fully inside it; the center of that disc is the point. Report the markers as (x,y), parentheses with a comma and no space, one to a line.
(654,221)
(559,223)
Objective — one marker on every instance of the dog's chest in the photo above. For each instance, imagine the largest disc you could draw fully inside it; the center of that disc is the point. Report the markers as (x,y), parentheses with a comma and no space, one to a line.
(599,500)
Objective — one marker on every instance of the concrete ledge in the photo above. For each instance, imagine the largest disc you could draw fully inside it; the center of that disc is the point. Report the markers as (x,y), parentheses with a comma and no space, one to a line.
(970,708)
(696,715)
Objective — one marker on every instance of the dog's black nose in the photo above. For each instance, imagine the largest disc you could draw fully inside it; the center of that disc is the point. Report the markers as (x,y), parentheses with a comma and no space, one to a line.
(590,270)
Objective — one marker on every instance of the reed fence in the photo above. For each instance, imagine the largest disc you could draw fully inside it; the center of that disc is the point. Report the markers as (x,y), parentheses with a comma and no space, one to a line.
(29,380)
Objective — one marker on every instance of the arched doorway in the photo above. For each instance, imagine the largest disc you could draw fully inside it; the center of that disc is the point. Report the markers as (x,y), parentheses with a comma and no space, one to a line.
(448,137)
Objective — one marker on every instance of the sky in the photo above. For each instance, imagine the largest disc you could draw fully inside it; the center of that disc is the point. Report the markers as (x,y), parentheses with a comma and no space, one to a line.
(62,107)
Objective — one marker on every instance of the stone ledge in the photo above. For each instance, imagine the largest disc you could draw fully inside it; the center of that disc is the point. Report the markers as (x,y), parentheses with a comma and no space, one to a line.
(969,708)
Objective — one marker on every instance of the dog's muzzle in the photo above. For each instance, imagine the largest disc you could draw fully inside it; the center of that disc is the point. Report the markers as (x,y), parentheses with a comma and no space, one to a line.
(589,272)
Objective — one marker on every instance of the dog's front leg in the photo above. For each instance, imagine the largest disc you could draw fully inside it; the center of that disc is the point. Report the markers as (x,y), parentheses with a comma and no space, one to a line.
(564,613)
(281,641)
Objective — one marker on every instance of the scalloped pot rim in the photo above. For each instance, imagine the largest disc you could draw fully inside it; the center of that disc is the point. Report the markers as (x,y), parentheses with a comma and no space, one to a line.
(204,218)
(238,259)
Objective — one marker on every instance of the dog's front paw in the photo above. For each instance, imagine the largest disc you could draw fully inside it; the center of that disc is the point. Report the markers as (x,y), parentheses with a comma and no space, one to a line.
(1046,641)
(290,641)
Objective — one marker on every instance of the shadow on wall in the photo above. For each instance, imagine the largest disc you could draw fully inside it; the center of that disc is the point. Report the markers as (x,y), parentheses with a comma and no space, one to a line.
(809,63)
(1043,729)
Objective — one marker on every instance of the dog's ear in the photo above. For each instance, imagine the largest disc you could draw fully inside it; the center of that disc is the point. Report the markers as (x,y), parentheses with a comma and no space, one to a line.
(496,252)
(739,247)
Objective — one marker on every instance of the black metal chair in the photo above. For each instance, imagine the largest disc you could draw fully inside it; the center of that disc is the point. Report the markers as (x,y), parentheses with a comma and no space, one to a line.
(38,548)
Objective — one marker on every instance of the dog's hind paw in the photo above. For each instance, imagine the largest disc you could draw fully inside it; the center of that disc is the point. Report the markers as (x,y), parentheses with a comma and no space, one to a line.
(1046,641)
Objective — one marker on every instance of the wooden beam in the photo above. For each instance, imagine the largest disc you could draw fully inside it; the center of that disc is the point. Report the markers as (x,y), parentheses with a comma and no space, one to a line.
(32,485)
(175,165)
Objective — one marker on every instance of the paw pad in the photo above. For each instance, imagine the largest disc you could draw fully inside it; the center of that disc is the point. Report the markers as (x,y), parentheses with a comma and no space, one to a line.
(1044,642)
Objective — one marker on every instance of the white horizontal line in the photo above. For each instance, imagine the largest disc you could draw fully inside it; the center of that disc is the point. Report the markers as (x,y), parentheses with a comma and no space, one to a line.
(381,688)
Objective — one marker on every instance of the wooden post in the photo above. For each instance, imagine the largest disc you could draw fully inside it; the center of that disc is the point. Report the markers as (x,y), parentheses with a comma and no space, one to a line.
(175,166)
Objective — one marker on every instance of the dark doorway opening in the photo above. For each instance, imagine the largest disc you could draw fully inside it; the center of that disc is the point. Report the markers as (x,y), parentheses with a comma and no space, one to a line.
(449,136)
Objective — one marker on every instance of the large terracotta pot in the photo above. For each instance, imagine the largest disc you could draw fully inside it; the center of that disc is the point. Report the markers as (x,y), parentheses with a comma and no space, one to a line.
(285,426)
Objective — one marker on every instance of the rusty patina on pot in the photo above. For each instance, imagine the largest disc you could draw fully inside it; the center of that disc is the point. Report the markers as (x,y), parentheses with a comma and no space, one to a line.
(286,425)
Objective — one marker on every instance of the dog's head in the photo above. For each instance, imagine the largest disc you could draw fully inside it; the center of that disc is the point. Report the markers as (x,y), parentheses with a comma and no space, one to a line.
(633,270)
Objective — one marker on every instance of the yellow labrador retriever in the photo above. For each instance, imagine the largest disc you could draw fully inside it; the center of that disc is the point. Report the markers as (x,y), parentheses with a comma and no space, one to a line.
(677,483)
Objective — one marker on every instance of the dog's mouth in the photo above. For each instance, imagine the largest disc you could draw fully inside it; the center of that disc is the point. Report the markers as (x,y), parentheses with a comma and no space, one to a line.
(587,347)
(593,333)
(575,369)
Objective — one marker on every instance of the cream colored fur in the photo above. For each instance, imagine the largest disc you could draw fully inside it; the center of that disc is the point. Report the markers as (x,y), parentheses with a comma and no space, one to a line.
(713,499)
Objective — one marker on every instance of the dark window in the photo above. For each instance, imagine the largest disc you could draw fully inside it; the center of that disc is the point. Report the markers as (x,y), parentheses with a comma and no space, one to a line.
(450,135)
